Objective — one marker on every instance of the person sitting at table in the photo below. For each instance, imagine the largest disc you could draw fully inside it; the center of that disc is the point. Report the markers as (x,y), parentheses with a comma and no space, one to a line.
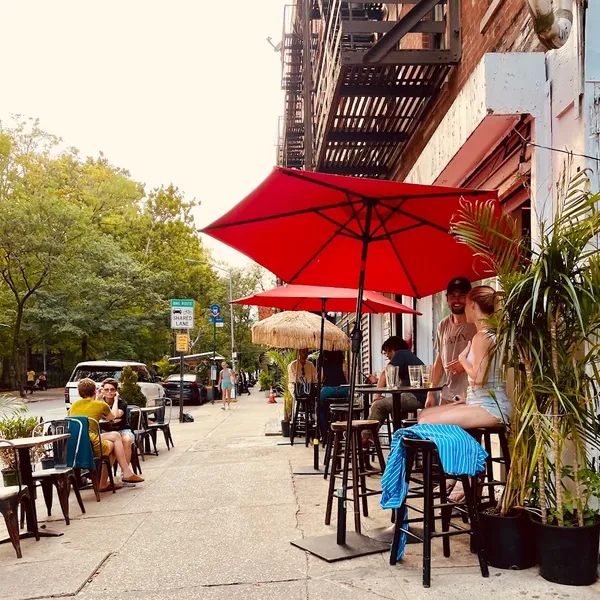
(334,374)
(106,444)
(301,370)
(398,352)
(109,393)
(486,403)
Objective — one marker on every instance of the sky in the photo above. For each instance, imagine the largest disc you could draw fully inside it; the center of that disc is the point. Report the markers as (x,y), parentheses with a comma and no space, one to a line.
(176,91)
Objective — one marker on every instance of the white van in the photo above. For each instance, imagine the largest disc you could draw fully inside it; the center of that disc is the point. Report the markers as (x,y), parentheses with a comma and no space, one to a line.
(99,370)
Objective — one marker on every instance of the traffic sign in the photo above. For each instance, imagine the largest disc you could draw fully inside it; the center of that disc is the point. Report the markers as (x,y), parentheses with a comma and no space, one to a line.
(216,320)
(182,342)
(215,310)
(182,314)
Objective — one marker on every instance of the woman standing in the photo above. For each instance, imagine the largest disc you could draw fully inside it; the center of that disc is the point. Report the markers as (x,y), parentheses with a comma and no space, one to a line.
(226,383)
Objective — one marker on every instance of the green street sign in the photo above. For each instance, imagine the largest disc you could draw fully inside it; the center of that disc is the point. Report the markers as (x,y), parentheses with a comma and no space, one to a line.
(182,304)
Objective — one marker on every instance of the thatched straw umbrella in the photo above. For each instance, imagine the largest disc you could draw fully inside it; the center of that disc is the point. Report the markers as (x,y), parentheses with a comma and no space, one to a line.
(298,329)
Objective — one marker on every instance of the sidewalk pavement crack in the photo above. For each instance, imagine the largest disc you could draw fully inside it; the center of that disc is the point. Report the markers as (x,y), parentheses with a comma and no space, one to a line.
(296,514)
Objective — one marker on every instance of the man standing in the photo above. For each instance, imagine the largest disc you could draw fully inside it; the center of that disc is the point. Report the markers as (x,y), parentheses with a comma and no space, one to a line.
(30,381)
(453,335)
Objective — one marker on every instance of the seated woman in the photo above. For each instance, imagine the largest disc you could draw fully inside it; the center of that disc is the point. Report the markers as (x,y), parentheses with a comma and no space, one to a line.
(486,404)
(110,444)
(334,375)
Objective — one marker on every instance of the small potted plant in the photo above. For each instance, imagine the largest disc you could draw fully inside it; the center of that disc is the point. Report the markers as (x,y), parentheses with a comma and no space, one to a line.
(19,426)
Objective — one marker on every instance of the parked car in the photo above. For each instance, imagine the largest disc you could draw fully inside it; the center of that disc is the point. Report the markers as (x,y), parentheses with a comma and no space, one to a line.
(98,370)
(193,392)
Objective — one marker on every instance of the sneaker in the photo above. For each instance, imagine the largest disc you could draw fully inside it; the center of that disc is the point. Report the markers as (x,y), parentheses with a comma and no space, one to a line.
(223,408)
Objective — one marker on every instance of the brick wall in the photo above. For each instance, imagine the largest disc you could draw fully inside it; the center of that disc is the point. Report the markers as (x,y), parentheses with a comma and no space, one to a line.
(509,30)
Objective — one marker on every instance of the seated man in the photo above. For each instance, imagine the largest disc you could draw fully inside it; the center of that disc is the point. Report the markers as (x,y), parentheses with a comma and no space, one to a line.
(110,443)
(301,370)
(398,353)
(109,393)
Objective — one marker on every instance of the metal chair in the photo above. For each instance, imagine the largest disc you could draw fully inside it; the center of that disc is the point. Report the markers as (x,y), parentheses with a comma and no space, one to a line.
(11,498)
(162,424)
(141,432)
(62,475)
(100,461)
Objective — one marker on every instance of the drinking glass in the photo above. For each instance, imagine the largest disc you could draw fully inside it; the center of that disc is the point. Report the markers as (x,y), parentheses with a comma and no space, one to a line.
(391,377)
(414,374)
(426,375)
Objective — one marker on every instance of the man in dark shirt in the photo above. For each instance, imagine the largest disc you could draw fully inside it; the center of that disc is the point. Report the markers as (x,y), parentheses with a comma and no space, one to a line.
(399,354)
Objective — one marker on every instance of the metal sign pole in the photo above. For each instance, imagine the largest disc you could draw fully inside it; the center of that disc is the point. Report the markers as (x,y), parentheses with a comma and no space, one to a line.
(181,355)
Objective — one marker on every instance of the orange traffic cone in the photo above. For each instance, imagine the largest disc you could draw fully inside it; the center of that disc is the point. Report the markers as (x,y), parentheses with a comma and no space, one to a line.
(272,397)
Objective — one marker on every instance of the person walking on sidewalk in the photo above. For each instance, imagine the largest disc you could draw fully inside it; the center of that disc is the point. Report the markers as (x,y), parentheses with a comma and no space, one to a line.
(226,383)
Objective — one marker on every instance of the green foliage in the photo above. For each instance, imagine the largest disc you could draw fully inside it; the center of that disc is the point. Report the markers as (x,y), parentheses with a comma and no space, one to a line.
(89,260)
(16,427)
(282,359)
(266,380)
(165,368)
(129,390)
(9,405)
(547,335)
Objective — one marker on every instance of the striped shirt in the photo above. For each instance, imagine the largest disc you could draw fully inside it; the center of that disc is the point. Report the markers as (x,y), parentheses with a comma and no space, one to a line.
(459,454)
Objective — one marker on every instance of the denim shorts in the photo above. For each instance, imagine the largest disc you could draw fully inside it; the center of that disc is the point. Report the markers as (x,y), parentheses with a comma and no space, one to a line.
(493,400)
(226,386)
(126,432)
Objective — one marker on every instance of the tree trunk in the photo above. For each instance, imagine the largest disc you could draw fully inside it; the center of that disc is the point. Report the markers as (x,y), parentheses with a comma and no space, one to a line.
(19,379)
(84,347)
(578,490)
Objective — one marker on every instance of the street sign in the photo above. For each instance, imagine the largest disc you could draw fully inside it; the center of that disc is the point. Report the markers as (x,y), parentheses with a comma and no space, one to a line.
(215,310)
(220,324)
(182,342)
(216,320)
(182,314)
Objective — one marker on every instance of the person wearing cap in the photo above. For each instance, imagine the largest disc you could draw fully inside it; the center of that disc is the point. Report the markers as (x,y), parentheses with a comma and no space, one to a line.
(454,333)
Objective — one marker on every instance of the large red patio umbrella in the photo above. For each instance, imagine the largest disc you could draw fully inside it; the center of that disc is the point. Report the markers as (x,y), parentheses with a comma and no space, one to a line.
(321,229)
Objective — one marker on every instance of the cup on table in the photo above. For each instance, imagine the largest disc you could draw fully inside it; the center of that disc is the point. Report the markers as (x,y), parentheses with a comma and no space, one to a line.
(391,377)
(426,375)
(414,375)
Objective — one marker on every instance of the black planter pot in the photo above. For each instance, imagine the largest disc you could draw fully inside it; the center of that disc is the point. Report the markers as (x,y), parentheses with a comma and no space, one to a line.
(285,429)
(568,555)
(10,477)
(47,463)
(509,541)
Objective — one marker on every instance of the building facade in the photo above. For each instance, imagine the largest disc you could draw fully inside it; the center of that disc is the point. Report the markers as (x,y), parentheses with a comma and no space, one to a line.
(491,94)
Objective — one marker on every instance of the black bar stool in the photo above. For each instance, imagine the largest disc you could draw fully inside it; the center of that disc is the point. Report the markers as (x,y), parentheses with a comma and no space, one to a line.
(357,469)
(304,419)
(484,436)
(425,490)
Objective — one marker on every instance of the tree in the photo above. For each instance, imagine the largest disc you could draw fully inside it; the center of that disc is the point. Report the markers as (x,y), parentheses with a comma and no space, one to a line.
(129,390)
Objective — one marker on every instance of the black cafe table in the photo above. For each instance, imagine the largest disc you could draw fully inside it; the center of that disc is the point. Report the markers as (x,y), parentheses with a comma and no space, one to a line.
(396,393)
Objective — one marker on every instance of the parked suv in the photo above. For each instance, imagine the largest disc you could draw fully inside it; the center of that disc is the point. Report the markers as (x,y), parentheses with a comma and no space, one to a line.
(98,370)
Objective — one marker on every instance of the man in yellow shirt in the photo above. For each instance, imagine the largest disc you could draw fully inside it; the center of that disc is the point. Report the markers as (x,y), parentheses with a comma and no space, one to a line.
(112,444)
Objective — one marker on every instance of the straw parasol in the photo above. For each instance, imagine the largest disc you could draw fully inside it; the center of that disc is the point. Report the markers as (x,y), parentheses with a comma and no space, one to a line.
(298,329)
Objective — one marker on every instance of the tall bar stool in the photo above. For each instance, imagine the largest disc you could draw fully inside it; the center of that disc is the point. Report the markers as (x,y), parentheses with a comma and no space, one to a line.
(484,436)
(425,490)
(337,412)
(357,468)
(304,419)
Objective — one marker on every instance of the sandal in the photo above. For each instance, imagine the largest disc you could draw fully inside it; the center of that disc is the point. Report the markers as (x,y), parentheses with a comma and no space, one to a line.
(109,488)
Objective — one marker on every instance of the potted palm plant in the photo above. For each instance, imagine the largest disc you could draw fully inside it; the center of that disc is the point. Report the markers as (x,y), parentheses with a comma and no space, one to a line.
(547,335)
(282,359)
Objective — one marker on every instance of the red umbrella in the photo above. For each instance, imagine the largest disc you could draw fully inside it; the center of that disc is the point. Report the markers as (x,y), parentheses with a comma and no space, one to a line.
(317,299)
(321,229)
(311,228)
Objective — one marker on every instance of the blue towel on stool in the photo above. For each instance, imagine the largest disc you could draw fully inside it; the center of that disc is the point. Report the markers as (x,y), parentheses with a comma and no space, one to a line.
(85,454)
(459,454)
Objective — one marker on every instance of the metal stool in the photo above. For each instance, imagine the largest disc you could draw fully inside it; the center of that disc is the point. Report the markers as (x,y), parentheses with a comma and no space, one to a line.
(425,490)
(359,473)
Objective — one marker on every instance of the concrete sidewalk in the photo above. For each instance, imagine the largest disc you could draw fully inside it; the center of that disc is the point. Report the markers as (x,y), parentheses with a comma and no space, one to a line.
(214,521)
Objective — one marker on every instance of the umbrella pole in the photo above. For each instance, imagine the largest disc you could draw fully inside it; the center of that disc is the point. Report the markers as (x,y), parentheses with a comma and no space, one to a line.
(356,344)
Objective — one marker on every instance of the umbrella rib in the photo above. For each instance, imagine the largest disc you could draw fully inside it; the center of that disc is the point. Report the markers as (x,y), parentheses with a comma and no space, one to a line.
(396,231)
(338,224)
(333,236)
(387,218)
(410,281)
(337,188)
(293,213)
(410,216)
